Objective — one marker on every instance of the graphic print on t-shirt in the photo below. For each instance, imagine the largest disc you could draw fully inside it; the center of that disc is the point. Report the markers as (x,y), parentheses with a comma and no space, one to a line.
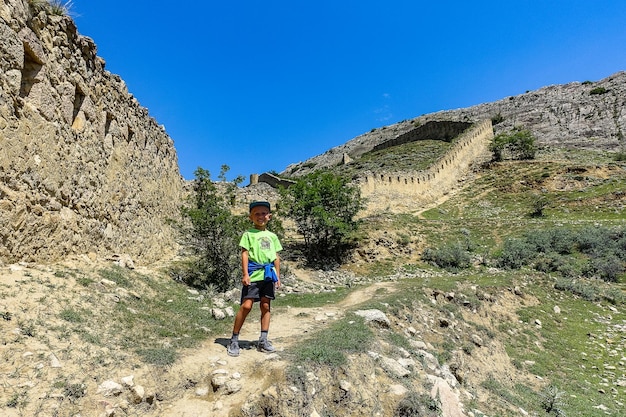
(265,243)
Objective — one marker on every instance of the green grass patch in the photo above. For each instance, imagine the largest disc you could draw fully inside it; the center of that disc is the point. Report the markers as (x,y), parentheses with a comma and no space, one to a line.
(309,300)
(72,315)
(329,346)
(116,274)
(571,349)
(158,356)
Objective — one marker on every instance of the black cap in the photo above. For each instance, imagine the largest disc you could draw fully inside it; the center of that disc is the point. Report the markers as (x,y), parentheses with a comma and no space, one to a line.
(260,203)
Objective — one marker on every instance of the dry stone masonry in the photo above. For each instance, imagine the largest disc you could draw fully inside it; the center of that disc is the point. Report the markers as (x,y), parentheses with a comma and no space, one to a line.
(84,169)
(406,191)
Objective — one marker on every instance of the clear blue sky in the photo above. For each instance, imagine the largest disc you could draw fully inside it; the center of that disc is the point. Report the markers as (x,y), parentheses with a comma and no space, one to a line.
(257,85)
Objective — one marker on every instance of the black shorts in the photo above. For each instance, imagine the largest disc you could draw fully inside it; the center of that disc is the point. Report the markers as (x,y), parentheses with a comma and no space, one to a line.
(257,290)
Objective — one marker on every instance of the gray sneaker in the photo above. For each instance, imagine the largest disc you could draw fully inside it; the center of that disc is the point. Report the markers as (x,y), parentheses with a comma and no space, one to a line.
(265,346)
(233,349)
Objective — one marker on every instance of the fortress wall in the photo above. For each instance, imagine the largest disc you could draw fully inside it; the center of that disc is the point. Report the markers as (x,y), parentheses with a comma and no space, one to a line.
(83,167)
(401,192)
(434,129)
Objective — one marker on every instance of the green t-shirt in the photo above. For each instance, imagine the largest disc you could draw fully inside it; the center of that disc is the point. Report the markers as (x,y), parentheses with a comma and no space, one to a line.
(262,246)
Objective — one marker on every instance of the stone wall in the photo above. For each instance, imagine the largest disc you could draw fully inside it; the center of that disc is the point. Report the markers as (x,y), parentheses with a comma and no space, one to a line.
(84,169)
(404,192)
(433,130)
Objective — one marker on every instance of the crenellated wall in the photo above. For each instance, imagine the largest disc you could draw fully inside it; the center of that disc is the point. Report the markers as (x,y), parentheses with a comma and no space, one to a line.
(84,169)
(401,192)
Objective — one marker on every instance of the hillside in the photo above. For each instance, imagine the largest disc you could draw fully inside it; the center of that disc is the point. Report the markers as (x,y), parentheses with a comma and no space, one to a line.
(91,338)
(584,115)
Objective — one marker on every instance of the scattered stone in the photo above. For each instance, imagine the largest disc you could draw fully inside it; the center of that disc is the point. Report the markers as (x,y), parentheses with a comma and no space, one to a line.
(54,361)
(374,316)
(218,381)
(108,282)
(128,381)
(232,386)
(110,388)
(429,361)
(449,401)
(345,385)
(393,367)
(138,394)
(477,340)
(398,390)
(218,314)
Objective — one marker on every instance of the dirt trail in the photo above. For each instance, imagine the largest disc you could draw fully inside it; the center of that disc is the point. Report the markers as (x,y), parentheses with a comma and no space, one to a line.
(289,325)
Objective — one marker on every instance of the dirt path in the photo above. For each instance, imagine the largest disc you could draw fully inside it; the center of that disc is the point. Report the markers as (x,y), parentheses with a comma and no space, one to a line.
(251,369)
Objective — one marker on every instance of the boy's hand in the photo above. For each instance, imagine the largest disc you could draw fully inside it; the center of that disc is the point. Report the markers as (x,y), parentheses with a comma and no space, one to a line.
(278,283)
(246,280)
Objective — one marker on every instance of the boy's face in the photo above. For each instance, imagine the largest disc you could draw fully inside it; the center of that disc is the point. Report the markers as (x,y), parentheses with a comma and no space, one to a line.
(260,215)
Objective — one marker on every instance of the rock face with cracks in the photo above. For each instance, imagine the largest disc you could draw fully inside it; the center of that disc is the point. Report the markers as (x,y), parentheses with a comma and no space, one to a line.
(84,168)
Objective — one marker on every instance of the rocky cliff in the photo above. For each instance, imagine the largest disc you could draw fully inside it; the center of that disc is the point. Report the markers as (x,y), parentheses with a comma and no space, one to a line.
(84,169)
(587,114)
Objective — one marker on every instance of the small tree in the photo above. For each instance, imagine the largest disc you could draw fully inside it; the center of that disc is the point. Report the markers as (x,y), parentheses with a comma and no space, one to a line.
(211,233)
(323,206)
(518,143)
(539,203)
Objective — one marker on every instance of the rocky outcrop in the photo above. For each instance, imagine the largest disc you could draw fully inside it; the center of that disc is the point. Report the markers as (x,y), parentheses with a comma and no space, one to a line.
(589,115)
(83,167)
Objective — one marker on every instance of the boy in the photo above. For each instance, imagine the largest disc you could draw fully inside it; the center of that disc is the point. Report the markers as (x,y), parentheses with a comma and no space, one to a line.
(261,272)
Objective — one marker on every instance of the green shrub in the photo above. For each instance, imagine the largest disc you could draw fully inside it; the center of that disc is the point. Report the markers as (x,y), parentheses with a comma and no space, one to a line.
(518,144)
(598,90)
(211,233)
(74,391)
(71,316)
(601,250)
(590,239)
(516,253)
(323,206)
(562,240)
(551,401)
(559,240)
(608,268)
(54,7)
(584,290)
(417,405)
(497,119)
(549,262)
(539,203)
(452,256)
